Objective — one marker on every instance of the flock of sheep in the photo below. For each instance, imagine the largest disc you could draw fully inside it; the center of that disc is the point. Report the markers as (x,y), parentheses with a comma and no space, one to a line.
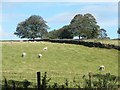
(39,55)
(101,68)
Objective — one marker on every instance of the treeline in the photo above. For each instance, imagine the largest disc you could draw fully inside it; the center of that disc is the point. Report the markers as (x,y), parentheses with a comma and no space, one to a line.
(83,26)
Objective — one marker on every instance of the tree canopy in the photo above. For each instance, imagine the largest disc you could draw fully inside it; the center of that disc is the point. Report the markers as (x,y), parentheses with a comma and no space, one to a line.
(103,34)
(62,33)
(85,26)
(65,32)
(54,34)
(31,28)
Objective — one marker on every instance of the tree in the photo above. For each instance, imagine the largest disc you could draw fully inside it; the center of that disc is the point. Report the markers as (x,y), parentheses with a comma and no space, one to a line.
(118,31)
(76,24)
(85,25)
(65,33)
(53,34)
(62,33)
(103,34)
(31,28)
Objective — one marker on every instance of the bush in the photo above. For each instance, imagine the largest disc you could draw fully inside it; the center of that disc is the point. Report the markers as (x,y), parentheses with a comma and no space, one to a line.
(102,81)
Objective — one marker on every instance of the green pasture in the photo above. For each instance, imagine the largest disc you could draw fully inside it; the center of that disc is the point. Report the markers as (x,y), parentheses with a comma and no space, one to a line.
(60,61)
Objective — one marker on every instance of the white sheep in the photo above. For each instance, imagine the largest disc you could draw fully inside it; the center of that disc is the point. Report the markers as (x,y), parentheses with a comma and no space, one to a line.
(45,48)
(29,41)
(23,54)
(34,41)
(102,67)
(39,55)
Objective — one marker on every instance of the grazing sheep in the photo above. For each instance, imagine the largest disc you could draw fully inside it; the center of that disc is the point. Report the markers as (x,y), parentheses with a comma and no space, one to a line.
(102,68)
(39,55)
(45,48)
(23,54)
(29,41)
(34,41)
(21,41)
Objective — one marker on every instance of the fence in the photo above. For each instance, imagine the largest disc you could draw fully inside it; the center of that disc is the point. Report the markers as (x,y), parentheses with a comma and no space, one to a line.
(42,83)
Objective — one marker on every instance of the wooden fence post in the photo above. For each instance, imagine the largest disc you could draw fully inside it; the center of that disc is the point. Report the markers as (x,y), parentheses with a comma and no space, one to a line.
(38,80)
(13,83)
(6,84)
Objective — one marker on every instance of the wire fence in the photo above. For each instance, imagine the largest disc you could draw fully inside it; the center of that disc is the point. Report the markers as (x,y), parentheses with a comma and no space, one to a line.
(106,82)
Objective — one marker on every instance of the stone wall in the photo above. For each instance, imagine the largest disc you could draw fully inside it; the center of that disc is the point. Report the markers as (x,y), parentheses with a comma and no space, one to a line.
(80,42)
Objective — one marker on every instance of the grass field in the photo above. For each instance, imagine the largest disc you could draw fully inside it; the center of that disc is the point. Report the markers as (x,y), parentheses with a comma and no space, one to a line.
(61,61)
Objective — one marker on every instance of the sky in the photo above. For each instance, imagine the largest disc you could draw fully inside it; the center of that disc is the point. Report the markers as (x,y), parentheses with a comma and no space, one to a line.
(57,14)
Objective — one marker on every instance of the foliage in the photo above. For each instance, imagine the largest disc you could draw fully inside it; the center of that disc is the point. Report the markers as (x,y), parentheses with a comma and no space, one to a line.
(118,31)
(65,33)
(54,34)
(103,81)
(103,34)
(45,81)
(62,33)
(85,26)
(26,83)
(90,82)
(31,28)
(7,84)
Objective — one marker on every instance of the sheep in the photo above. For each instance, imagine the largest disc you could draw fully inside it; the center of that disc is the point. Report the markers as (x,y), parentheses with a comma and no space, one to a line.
(21,41)
(34,41)
(45,48)
(29,41)
(23,54)
(102,67)
(39,55)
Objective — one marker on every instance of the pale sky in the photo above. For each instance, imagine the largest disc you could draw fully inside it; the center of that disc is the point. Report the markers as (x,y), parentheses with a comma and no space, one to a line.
(57,14)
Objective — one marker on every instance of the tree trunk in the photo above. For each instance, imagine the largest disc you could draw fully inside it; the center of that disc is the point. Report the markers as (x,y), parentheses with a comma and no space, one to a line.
(33,39)
(79,37)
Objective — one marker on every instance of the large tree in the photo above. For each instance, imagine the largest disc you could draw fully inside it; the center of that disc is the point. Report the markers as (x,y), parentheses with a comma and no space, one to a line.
(31,28)
(85,26)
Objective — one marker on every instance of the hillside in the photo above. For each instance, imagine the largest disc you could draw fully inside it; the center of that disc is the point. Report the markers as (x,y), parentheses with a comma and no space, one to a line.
(61,61)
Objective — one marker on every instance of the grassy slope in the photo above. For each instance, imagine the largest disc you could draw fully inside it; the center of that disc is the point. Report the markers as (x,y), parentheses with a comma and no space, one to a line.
(60,60)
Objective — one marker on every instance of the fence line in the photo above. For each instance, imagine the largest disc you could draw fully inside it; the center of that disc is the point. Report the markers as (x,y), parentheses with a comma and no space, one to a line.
(42,83)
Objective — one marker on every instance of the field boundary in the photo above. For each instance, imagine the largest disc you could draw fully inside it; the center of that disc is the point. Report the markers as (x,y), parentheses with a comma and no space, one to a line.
(84,43)
(71,41)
